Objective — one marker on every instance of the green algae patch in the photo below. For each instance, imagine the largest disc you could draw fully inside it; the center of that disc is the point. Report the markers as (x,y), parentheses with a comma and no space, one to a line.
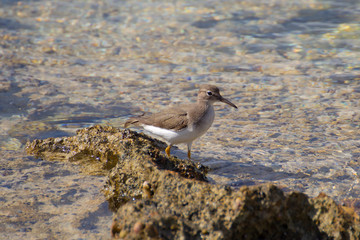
(156,197)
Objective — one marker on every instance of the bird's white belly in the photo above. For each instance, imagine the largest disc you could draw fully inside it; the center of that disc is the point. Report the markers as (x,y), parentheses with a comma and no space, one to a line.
(185,135)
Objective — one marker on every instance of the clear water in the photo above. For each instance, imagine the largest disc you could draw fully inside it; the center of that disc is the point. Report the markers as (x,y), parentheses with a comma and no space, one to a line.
(292,68)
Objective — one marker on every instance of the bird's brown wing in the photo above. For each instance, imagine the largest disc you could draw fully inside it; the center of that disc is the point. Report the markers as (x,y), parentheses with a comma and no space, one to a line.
(172,119)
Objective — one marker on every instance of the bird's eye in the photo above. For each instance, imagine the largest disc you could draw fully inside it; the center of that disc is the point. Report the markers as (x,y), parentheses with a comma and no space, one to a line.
(209,93)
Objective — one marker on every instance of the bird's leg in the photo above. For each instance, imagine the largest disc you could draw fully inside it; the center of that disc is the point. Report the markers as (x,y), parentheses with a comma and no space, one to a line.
(189,150)
(167,150)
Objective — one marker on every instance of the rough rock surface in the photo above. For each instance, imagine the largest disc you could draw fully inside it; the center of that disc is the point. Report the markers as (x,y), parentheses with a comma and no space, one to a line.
(160,198)
(99,149)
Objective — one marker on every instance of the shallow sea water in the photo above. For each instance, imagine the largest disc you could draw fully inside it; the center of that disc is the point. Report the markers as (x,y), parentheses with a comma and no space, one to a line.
(292,68)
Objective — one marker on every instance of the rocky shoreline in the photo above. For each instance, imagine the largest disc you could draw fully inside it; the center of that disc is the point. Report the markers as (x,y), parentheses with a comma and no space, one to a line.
(155,197)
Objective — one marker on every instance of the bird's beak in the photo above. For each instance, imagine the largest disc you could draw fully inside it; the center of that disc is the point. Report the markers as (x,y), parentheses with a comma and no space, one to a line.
(224,100)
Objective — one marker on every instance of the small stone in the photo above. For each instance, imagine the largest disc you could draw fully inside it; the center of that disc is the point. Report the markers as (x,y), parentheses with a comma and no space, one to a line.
(147,191)
(237,204)
(116,229)
(123,234)
(138,227)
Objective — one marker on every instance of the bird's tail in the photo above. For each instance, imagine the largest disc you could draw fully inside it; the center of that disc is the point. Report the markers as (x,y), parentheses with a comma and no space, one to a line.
(130,122)
(133,121)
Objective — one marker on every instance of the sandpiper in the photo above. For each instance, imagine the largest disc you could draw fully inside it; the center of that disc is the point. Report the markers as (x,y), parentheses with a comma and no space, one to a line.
(183,123)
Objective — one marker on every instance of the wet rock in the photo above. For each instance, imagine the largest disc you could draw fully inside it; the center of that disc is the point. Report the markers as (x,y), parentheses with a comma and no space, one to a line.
(155,197)
(183,209)
(101,148)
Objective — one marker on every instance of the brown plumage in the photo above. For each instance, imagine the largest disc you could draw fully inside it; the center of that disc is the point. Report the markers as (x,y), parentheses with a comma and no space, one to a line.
(173,118)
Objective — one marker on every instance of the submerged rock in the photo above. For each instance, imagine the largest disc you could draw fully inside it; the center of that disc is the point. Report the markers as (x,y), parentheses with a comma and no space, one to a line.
(155,197)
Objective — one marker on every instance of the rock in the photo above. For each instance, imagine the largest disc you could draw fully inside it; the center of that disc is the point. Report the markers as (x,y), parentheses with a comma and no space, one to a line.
(103,147)
(196,210)
(137,158)
(155,197)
